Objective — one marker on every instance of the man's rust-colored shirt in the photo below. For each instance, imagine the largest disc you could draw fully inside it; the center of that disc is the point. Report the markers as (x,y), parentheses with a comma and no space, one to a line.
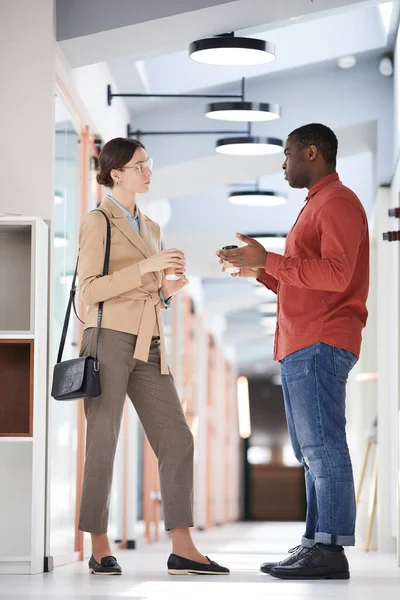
(322,280)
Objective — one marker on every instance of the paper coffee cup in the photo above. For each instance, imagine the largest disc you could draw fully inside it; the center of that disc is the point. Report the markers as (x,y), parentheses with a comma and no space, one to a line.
(229,268)
(170,274)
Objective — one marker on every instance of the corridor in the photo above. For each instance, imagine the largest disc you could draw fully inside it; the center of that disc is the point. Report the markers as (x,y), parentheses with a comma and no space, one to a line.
(242,547)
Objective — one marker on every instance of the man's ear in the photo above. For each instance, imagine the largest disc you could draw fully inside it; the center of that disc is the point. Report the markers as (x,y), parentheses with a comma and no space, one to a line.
(312,153)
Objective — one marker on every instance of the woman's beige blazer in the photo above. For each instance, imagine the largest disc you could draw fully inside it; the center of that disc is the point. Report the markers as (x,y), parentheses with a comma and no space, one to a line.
(131,302)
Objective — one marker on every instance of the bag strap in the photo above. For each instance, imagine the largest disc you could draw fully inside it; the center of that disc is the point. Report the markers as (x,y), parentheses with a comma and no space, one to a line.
(72,293)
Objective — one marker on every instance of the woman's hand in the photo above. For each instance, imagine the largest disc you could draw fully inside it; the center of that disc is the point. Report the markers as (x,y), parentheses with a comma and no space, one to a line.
(170,288)
(244,271)
(163,260)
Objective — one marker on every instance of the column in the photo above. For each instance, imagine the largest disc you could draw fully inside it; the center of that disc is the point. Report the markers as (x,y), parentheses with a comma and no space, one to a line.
(177,342)
(27,59)
(386,274)
(200,401)
(27,66)
(221,466)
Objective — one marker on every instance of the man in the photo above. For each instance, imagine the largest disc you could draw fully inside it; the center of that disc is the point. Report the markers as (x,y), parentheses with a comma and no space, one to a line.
(322,286)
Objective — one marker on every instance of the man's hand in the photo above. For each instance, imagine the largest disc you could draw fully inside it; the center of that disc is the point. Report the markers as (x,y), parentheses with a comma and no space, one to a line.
(252,256)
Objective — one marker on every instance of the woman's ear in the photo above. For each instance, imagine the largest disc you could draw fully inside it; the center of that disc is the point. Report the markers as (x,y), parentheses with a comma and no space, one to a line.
(115,176)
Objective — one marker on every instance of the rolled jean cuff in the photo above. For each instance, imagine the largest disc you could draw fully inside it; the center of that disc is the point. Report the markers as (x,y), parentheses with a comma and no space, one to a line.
(307,543)
(329,539)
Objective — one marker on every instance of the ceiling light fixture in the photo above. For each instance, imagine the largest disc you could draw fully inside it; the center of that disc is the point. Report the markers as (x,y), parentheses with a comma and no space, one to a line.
(230,107)
(249,146)
(347,62)
(243,111)
(226,50)
(270,241)
(249,112)
(386,66)
(256,197)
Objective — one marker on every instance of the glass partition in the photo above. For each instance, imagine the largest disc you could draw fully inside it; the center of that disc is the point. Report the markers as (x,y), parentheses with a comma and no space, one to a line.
(63,415)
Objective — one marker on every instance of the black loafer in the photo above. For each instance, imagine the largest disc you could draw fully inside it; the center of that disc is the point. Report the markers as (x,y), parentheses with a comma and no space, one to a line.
(108,566)
(177,565)
(295,555)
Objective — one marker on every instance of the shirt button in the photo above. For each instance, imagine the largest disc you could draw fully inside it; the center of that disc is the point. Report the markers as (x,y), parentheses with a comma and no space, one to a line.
(344,255)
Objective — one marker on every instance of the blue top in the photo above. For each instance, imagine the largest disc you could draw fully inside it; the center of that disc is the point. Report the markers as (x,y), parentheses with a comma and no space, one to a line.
(134,221)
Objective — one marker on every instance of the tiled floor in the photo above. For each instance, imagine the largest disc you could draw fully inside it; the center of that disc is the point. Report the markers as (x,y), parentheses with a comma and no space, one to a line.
(242,547)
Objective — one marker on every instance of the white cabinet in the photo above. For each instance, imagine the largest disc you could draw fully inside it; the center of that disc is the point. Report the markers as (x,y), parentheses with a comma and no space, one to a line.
(24,251)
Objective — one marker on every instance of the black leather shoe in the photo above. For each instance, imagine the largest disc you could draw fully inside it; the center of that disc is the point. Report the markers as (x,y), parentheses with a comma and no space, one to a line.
(295,555)
(177,565)
(108,566)
(318,563)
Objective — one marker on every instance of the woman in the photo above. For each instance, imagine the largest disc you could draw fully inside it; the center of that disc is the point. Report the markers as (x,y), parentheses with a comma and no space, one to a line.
(132,358)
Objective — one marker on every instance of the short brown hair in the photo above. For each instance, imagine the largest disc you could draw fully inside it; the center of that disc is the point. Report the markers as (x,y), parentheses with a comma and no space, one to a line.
(115,155)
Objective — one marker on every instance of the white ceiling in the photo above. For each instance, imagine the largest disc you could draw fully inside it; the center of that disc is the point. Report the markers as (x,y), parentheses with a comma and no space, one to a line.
(298,43)
(166,34)
(149,55)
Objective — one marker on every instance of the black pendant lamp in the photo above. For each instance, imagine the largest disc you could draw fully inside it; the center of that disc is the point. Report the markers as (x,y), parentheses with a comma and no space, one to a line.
(243,111)
(227,50)
(249,146)
(257,197)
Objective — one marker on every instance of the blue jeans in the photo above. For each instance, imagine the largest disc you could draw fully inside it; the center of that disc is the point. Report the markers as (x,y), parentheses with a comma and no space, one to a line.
(314,387)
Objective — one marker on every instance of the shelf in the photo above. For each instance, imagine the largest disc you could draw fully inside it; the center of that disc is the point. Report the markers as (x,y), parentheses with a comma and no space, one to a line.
(16,335)
(22,438)
(16,391)
(15,558)
(15,276)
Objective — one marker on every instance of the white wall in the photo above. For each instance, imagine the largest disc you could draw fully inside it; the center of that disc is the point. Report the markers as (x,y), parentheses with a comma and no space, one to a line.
(91,85)
(379,398)
(27,58)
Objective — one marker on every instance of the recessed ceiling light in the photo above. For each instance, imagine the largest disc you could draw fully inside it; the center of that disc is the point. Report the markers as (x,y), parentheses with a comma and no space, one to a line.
(270,241)
(243,111)
(386,66)
(257,198)
(249,146)
(227,50)
(347,62)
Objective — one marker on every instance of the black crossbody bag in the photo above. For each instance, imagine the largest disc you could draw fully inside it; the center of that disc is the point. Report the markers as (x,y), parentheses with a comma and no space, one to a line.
(79,377)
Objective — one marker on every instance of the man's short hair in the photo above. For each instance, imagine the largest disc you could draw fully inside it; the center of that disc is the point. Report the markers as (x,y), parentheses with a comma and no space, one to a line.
(316,134)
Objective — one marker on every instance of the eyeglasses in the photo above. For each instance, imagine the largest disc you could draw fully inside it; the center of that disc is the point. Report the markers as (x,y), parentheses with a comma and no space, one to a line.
(146,164)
